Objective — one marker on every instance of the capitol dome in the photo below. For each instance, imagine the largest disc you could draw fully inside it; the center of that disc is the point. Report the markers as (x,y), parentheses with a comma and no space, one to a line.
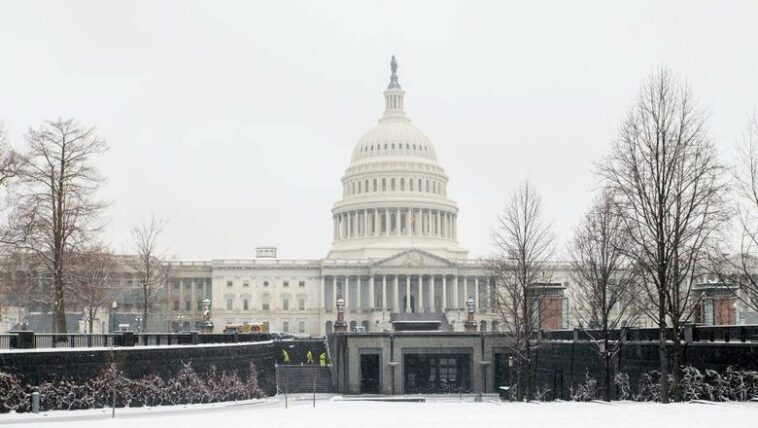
(394,192)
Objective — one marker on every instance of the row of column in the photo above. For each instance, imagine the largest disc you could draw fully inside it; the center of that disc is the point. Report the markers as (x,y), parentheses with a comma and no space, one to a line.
(395,222)
(428,293)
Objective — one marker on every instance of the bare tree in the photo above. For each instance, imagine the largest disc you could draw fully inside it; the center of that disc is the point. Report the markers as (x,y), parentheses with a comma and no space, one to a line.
(91,274)
(605,288)
(523,245)
(740,270)
(668,184)
(57,196)
(151,263)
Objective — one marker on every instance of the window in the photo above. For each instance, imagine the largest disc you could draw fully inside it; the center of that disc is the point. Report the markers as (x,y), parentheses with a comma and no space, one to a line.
(176,305)
(187,305)
(301,284)
(245,304)
(229,283)
(265,283)
(384,184)
(265,302)
(246,283)
(285,303)
(229,303)
(392,184)
(285,284)
(199,305)
(301,303)
(402,184)
(375,185)
(285,326)
(301,326)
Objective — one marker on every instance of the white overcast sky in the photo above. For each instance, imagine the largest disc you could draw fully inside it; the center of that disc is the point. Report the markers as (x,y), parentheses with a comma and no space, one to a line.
(235,120)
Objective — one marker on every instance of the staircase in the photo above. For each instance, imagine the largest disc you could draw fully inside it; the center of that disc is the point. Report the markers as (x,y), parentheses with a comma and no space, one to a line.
(299,379)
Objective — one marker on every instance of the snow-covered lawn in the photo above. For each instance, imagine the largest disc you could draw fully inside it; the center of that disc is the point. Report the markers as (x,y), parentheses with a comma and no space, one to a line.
(435,412)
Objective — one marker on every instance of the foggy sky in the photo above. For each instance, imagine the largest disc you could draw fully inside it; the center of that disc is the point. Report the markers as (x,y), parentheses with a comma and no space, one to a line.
(234,121)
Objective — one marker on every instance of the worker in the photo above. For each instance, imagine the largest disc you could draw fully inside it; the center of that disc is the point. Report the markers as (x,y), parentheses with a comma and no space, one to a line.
(285,357)
(322,359)
(309,358)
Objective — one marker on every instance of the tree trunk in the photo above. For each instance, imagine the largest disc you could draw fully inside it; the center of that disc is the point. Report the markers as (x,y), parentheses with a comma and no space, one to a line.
(144,313)
(59,308)
(676,370)
(663,356)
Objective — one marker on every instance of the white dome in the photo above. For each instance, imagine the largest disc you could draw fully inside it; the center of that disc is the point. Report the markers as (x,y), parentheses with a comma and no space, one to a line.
(394,195)
(394,136)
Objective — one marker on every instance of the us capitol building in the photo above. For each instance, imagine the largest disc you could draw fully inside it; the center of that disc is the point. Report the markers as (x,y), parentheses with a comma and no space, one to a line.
(395,249)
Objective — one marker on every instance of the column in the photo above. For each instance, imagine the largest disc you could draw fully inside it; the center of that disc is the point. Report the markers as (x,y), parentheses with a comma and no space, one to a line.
(408,231)
(396,296)
(358,300)
(476,293)
(397,222)
(365,222)
(455,292)
(323,292)
(444,293)
(432,293)
(384,292)
(465,290)
(347,293)
(349,225)
(371,298)
(387,222)
(334,228)
(420,305)
(407,293)
(376,222)
(334,292)
(439,224)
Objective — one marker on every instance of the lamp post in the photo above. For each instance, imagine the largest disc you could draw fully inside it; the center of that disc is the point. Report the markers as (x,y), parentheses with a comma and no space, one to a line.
(138,321)
(470,324)
(179,320)
(207,321)
(340,326)
(114,306)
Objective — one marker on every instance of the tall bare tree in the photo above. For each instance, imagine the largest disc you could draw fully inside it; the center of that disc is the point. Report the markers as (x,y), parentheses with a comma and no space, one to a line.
(605,288)
(151,263)
(741,270)
(58,185)
(669,187)
(91,274)
(523,243)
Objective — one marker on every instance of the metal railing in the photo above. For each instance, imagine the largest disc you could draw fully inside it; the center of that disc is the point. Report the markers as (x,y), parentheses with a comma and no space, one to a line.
(692,333)
(31,340)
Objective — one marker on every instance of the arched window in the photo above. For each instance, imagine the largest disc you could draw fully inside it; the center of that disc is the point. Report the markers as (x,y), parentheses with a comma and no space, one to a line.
(266,301)
(365,188)
(427,186)
(483,326)
(419,185)
(410,184)
(374,185)
(392,184)
(402,184)
(285,302)
(384,184)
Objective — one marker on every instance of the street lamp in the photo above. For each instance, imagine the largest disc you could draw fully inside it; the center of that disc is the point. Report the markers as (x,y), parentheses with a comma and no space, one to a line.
(180,326)
(138,320)
(470,324)
(207,322)
(340,326)
(114,306)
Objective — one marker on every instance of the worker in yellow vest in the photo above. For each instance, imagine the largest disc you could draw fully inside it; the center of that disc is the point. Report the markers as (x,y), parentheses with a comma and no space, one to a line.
(322,359)
(309,358)
(285,357)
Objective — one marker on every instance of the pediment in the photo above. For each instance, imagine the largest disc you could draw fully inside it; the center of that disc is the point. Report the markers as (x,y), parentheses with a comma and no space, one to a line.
(413,258)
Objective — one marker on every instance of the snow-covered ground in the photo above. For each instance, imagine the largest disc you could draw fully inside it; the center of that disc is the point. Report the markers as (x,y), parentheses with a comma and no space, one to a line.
(436,412)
